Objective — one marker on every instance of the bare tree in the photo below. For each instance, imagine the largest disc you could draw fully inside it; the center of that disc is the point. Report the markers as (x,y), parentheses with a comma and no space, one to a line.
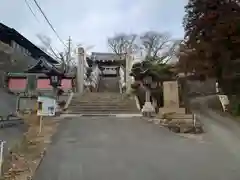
(66,59)
(46,45)
(123,43)
(158,46)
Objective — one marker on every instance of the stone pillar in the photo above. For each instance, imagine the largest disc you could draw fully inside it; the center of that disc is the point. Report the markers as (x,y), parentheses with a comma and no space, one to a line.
(148,109)
(80,69)
(147,96)
(129,62)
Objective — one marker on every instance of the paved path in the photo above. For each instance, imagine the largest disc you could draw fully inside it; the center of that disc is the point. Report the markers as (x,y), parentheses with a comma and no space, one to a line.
(107,148)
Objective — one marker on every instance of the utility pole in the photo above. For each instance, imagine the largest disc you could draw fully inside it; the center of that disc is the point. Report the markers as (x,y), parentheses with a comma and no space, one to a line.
(69,51)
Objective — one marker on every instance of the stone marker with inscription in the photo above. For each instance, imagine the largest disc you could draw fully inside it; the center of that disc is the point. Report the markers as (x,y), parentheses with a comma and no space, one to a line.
(172,115)
(171,98)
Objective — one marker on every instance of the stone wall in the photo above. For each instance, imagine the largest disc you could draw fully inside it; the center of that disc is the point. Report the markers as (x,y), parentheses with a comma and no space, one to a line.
(196,87)
(191,89)
(10,63)
(7,103)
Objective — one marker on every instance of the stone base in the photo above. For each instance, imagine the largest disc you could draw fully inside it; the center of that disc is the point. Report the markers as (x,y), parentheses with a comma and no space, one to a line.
(165,110)
(148,110)
(180,123)
(176,116)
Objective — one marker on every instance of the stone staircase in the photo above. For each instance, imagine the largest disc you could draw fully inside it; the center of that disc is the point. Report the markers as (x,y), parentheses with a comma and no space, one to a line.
(109,84)
(103,103)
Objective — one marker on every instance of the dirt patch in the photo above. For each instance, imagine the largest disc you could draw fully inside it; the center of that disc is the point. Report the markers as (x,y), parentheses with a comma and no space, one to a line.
(25,156)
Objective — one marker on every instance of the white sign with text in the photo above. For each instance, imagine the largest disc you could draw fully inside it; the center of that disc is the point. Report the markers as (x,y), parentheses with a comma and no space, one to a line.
(46,106)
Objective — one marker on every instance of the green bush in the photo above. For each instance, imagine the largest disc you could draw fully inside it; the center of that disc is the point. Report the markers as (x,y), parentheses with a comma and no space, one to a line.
(235,108)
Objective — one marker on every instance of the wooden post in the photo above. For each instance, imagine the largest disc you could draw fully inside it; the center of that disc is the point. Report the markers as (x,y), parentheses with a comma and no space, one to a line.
(40,124)
(1,155)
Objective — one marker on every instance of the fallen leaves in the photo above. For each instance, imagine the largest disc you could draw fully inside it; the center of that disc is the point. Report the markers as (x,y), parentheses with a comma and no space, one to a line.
(25,157)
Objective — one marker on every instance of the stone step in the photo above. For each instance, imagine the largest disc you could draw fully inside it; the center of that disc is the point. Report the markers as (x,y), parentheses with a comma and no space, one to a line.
(121,97)
(98,94)
(99,97)
(103,112)
(97,100)
(102,104)
(100,112)
(102,101)
(110,84)
(102,108)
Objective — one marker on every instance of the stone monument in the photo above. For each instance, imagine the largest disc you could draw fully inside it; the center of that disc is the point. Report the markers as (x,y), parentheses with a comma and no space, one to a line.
(172,115)
(171,98)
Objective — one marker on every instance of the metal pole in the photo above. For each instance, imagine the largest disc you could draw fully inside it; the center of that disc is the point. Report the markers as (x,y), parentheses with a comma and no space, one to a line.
(69,50)
(1,156)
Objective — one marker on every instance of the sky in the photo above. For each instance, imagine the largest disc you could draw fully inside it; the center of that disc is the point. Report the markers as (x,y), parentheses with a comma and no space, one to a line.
(91,22)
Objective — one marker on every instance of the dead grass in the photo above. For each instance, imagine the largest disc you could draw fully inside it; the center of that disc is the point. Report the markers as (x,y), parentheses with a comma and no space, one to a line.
(26,155)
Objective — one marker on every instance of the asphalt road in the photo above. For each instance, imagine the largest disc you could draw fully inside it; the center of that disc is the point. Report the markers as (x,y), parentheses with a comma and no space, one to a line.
(8,106)
(107,148)
(11,136)
(7,103)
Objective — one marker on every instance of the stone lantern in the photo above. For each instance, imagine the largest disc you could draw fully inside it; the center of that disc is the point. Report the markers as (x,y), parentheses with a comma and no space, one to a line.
(148,110)
(55,76)
(55,80)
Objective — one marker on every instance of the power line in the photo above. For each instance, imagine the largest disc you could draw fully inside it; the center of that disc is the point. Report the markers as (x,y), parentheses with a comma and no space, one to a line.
(50,47)
(29,7)
(51,26)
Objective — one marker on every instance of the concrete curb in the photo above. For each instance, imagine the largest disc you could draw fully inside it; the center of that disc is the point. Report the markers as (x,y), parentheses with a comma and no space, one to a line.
(40,162)
(10,123)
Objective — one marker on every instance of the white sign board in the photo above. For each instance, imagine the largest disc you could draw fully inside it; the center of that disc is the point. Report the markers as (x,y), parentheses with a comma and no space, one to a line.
(46,106)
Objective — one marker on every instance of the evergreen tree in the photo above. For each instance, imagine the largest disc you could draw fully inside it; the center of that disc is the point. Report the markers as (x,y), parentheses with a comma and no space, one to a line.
(212,37)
